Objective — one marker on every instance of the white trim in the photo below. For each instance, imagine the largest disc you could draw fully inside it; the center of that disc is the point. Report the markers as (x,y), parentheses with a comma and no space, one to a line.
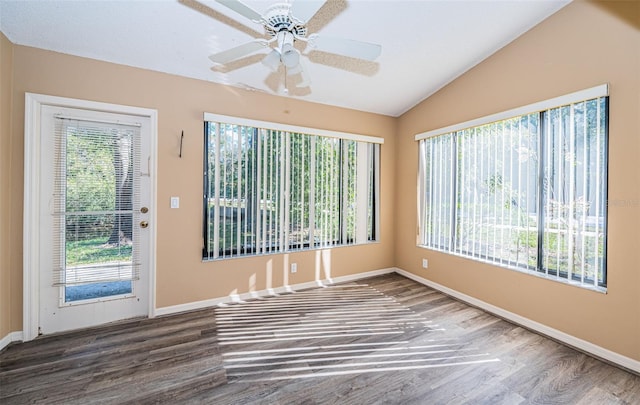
(588,347)
(581,95)
(31,240)
(10,338)
(173,309)
(153,208)
(290,128)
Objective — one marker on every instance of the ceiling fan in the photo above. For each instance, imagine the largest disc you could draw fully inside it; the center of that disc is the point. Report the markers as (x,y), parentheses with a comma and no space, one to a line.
(286,23)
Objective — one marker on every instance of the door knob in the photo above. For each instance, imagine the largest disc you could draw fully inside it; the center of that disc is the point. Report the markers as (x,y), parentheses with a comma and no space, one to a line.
(144,224)
(144,210)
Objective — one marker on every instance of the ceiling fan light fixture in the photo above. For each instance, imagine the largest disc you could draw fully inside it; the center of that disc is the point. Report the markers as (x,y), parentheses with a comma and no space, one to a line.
(295,69)
(272,60)
(290,57)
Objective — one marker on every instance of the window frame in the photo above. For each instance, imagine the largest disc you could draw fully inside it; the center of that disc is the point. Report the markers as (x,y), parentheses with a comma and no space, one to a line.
(289,131)
(541,109)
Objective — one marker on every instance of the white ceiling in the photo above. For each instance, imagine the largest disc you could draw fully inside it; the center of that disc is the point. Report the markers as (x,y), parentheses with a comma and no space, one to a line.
(425,44)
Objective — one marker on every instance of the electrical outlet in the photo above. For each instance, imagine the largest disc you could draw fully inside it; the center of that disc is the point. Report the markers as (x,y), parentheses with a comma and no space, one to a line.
(294,267)
(425,263)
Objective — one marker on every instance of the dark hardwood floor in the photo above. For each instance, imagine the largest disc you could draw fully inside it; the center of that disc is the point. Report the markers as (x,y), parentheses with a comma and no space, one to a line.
(384,339)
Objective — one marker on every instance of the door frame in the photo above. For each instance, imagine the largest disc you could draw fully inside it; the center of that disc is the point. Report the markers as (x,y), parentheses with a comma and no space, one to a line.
(31,235)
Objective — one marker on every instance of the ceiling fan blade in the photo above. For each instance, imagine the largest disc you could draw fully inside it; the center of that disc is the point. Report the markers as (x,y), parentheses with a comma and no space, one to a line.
(345,47)
(238,52)
(304,10)
(306,81)
(301,70)
(242,9)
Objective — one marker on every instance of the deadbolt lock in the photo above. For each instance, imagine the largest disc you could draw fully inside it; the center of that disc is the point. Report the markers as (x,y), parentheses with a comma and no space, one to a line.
(144,224)
(144,210)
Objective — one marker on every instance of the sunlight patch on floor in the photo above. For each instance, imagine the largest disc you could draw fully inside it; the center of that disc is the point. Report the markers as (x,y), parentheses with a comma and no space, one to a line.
(366,331)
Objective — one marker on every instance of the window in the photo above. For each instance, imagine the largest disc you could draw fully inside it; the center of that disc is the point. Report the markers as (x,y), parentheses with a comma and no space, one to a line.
(283,189)
(525,189)
(96,248)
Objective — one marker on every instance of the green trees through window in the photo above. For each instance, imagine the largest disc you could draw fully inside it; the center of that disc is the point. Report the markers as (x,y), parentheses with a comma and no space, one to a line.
(275,191)
(527,192)
(95,191)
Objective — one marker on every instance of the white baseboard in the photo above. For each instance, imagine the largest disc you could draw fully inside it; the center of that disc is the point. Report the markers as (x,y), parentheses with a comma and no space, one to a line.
(588,347)
(10,338)
(190,306)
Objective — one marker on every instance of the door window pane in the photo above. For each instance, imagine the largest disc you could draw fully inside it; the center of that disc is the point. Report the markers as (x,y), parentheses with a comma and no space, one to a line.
(94,201)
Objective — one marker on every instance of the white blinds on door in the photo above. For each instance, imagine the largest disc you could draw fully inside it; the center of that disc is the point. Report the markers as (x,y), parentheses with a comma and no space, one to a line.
(95,201)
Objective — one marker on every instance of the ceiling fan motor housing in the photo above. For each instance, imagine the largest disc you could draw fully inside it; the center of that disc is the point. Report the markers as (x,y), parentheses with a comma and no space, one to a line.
(278,18)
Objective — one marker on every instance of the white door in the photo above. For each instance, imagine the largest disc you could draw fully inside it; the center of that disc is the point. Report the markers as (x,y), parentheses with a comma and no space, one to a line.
(95,194)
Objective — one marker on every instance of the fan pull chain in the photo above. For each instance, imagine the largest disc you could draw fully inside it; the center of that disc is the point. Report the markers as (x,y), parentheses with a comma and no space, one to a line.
(286,89)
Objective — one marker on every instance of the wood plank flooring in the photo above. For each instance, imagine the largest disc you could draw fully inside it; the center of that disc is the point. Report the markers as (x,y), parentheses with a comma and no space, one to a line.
(385,339)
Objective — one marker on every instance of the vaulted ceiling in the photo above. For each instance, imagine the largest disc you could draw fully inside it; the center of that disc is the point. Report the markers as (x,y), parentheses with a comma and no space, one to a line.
(425,44)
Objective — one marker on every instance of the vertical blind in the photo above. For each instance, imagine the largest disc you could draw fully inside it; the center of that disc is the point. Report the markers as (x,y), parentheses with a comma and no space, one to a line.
(527,192)
(95,193)
(269,190)
(574,183)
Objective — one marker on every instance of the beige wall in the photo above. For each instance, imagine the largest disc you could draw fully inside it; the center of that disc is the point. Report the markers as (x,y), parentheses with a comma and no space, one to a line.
(581,46)
(182,277)
(6,73)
